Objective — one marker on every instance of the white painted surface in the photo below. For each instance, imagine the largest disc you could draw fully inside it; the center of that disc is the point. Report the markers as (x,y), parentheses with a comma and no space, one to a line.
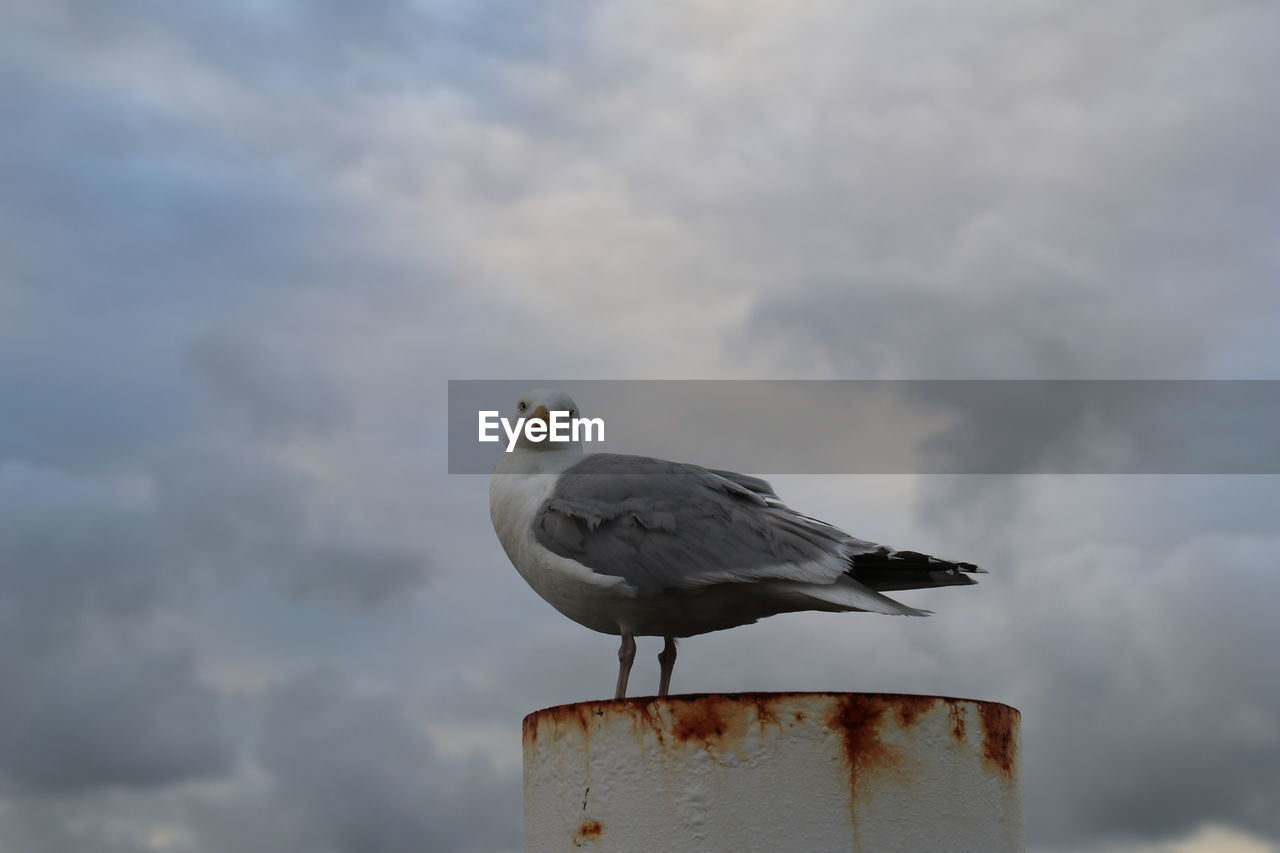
(773,772)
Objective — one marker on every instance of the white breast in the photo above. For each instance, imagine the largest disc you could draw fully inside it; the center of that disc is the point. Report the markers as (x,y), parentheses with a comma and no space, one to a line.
(517,490)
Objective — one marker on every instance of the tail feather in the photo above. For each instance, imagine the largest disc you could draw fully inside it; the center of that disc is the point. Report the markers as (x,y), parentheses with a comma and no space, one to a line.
(885,569)
(847,594)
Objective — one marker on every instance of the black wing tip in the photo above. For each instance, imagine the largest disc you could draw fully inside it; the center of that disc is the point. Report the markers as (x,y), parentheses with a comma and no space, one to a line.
(961,571)
(886,570)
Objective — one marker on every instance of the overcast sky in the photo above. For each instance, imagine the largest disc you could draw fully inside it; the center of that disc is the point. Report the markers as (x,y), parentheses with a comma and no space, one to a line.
(244,245)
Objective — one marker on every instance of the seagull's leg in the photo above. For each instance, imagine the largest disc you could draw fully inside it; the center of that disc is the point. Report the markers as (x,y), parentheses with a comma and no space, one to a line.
(626,654)
(666,660)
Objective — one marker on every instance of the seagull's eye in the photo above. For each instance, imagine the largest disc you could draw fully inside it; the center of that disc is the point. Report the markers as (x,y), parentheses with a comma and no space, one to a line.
(522,406)
(573,413)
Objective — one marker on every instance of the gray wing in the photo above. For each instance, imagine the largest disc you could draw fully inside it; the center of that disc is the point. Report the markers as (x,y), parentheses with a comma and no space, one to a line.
(664,525)
(876,566)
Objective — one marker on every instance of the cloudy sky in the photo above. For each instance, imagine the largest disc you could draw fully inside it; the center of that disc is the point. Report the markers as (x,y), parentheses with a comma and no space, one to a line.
(244,245)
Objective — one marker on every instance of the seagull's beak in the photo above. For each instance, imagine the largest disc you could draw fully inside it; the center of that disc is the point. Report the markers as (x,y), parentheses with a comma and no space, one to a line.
(541,414)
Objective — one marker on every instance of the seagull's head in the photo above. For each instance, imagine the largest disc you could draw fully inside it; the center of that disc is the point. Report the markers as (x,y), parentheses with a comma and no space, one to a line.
(537,405)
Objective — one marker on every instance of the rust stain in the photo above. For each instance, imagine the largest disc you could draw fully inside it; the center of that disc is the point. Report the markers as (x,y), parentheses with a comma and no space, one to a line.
(704,720)
(860,717)
(723,720)
(857,717)
(645,717)
(709,719)
(765,714)
(999,737)
(719,720)
(588,830)
(862,721)
(959,725)
(579,716)
(909,708)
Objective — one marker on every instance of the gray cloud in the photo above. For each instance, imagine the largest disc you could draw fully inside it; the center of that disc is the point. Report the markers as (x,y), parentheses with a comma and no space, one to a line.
(109,716)
(243,512)
(356,773)
(326,766)
(277,398)
(1081,202)
(98,693)
(1144,695)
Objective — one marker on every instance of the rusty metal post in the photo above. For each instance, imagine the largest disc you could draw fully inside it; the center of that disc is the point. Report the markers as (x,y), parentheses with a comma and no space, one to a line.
(773,771)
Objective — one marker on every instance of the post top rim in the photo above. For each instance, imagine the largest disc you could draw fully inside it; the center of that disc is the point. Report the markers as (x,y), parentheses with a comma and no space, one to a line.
(756,697)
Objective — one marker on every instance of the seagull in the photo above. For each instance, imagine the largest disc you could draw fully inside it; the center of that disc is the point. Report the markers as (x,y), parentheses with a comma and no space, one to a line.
(635,546)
